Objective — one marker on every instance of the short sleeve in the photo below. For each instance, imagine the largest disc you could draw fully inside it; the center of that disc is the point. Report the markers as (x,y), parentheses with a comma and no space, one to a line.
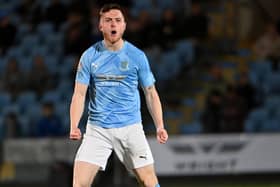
(146,76)
(83,70)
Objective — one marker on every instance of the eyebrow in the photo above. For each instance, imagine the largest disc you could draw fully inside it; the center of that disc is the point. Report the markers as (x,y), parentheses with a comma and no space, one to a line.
(118,18)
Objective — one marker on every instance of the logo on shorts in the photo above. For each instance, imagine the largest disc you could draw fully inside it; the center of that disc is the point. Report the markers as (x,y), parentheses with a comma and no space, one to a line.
(143,156)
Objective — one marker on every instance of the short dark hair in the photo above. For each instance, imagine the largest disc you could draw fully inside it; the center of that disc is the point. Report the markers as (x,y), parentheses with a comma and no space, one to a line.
(110,6)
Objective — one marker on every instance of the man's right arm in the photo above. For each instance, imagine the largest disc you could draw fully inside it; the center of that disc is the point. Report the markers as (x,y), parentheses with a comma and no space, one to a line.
(76,109)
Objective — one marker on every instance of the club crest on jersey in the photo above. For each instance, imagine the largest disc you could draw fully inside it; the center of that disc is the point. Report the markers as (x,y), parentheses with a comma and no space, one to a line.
(124,66)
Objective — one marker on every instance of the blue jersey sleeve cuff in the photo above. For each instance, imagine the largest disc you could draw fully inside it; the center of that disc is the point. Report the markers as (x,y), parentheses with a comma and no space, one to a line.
(82,82)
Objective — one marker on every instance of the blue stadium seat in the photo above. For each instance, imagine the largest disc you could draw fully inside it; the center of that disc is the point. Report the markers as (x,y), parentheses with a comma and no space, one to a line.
(40,50)
(9,4)
(272,101)
(26,99)
(30,40)
(66,2)
(33,112)
(54,39)
(22,30)
(15,52)
(185,51)
(191,102)
(25,125)
(1,129)
(143,4)
(169,66)
(44,4)
(255,120)
(3,62)
(52,63)
(139,6)
(171,114)
(164,4)
(5,100)
(15,19)
(25,63)
(66,124)
(66,66)
(271,83)
(252,126)
(51,96)
(44,29)
(271,125)
(253,77)
(28,43)
(260,69)
(62,110)
(153,55)
(65,88)
(243,52)
(227,64)
(13,107)
(191,128)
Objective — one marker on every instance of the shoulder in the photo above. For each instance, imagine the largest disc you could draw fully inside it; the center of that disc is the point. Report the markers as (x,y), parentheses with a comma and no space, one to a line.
(93,50)
(132,49)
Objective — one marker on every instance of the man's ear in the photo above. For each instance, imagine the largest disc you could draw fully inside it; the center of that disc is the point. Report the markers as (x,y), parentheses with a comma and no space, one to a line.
(100,27)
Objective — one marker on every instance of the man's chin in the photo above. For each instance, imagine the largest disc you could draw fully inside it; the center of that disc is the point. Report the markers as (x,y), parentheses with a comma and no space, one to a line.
(114,40)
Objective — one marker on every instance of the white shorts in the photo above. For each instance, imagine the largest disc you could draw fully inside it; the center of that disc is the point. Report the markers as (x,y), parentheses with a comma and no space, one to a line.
(129,144)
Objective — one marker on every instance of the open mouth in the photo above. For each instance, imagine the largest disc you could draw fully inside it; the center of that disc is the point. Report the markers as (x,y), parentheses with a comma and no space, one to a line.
(113,32)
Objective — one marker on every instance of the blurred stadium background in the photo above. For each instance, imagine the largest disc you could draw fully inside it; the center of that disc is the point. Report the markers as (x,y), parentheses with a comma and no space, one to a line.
(217,71)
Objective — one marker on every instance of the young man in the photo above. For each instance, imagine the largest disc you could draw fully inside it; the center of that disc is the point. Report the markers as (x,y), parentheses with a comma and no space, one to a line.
(112,69)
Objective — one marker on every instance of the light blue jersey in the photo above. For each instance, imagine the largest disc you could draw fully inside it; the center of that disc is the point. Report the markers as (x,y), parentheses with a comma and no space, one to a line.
(113,78)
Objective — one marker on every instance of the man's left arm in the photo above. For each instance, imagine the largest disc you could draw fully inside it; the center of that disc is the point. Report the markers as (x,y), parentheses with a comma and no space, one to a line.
(155,109)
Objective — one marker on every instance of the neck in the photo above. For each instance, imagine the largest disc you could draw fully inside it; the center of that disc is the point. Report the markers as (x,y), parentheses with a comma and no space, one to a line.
(114,46)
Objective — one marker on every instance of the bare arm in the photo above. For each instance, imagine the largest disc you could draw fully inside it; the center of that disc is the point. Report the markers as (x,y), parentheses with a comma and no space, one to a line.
(155,109)
(76,110)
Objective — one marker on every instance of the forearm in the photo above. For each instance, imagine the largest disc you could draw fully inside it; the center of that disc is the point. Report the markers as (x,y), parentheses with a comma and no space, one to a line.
(76,110)
(155,108)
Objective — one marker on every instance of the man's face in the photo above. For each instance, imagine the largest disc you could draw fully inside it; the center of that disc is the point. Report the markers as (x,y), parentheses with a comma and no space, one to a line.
(112,25)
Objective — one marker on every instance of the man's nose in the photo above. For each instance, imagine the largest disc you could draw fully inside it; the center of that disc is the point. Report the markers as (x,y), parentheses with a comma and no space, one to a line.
(113,23)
